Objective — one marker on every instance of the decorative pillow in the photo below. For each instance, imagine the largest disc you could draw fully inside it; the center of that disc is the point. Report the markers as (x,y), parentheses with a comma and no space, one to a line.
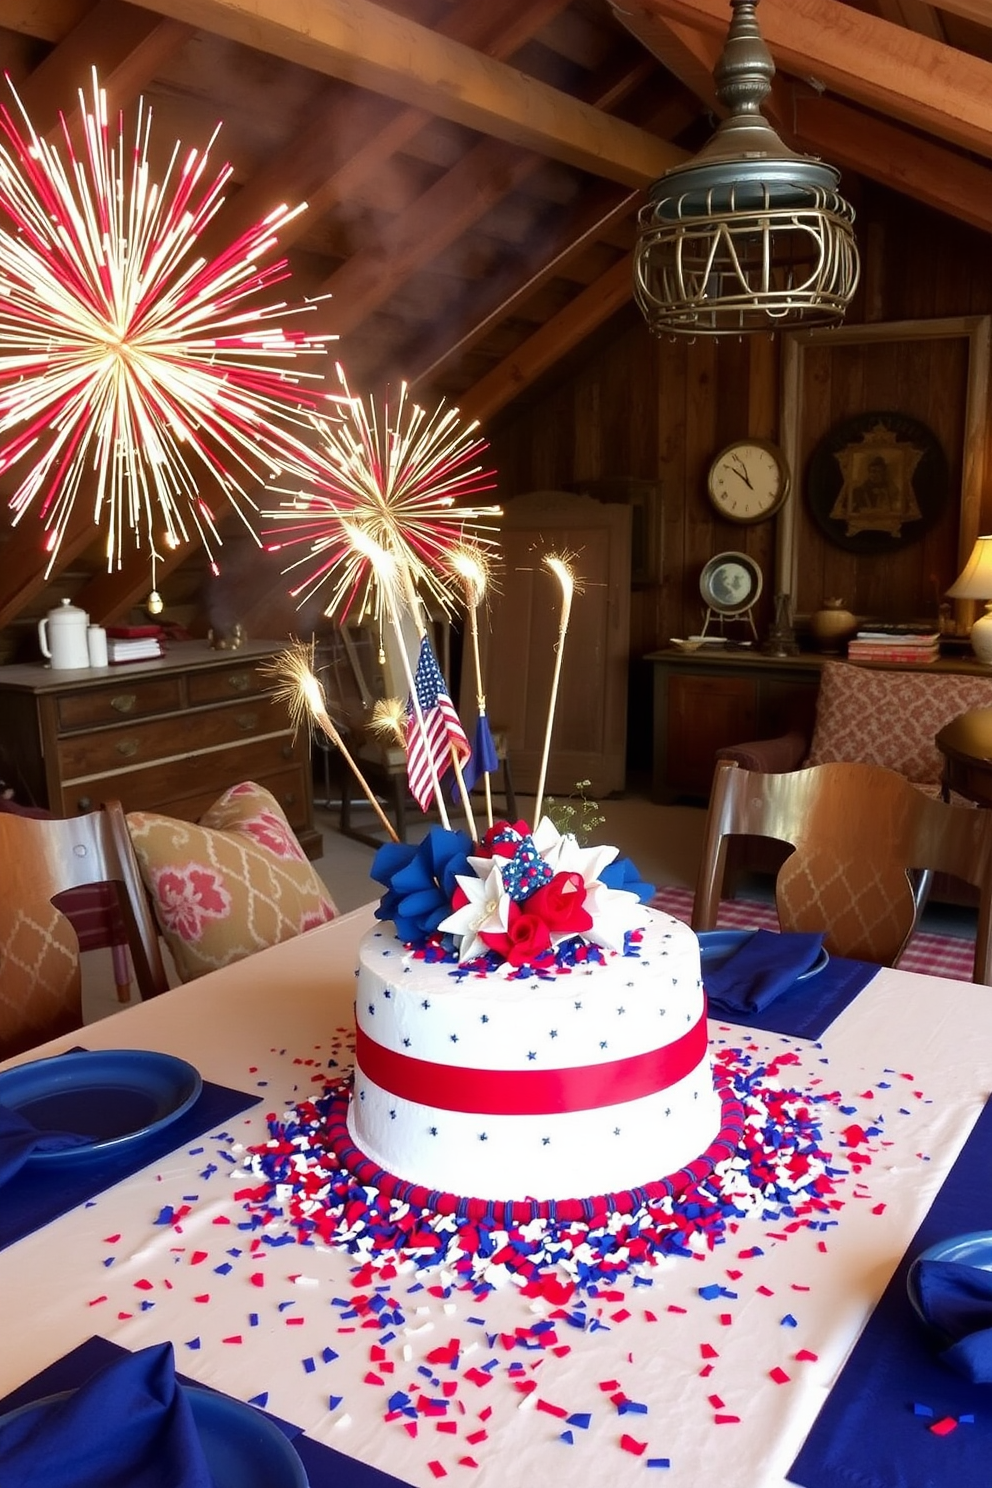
(890,718)
(231,884)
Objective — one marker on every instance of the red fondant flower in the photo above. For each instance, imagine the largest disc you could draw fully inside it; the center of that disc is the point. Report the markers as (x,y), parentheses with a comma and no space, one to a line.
(561,905)
(527,938)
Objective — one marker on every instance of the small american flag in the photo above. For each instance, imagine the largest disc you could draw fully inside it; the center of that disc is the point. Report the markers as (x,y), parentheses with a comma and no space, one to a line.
(441,726)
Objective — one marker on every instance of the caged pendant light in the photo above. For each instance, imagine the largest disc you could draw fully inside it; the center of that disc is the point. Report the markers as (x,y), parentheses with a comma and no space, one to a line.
(748,235)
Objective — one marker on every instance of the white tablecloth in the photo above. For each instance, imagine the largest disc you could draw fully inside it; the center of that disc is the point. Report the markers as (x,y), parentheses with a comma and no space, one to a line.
(911,1055)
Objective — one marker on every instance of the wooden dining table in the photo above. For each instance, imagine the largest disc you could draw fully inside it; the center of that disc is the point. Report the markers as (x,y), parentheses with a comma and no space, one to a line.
(719,1360)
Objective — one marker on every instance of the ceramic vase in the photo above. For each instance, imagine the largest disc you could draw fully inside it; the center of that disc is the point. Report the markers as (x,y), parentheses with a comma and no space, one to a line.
(832,626)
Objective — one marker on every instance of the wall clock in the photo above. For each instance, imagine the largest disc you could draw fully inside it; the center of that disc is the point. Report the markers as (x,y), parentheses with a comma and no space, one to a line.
(748,481)
(877,482)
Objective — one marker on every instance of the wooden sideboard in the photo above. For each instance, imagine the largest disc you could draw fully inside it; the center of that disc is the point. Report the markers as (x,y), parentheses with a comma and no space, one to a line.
(705,700)
(167,735)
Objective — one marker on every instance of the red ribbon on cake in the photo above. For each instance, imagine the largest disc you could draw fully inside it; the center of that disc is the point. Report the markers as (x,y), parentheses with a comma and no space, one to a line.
(530,1092)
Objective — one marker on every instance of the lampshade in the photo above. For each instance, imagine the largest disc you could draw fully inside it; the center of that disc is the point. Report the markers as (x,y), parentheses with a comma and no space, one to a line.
(975,582)
(748,235)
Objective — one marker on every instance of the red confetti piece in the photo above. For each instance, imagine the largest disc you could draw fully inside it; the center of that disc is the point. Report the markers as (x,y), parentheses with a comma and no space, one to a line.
(203,1297)
(479,1377)
(607,1385)
(765,1291)
(144,1285)
(620,1316)
(630,1444)
(725,1420)
(944,1427)
(449,1427)
(807,1354)
(726,1319)
(778,1375)
(485,1413)
(878,1209)
(707,1351)
(234,1338)
(651,1317)
(111,1239)
(549,1409)
(475,1437)
(374,1379)
(706,1371)
(437,1469)
(672,1308)
(198,1257)
(122,1317)
(97,1300)
(716,1402)
(296,1322)
(467,1462)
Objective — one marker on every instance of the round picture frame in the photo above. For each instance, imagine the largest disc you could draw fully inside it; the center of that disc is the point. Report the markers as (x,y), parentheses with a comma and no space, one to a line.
(730,583)
(877,482)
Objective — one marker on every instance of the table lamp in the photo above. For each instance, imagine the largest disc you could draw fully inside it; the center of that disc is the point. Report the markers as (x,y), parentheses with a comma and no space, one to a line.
(975,582)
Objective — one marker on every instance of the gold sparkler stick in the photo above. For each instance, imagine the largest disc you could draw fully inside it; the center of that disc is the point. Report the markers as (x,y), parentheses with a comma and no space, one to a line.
(471,567)
(304,695)
(563,573)
(388,575)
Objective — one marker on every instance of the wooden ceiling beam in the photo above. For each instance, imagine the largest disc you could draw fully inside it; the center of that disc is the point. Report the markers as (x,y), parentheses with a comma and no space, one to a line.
(363,43)
(559,335)
(125,45)
(920,168)
(349,138)
(933,87)
(915,15)
(484,175)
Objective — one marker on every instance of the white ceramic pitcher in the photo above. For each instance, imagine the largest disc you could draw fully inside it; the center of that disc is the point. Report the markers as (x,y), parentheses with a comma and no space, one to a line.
(62,636)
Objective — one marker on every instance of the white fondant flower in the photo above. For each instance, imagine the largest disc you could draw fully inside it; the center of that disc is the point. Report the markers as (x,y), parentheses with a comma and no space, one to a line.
(614,912)
(487,909)
(562,852)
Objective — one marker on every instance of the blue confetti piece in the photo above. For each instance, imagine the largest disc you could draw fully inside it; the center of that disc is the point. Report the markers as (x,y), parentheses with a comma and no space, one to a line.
(223,1269)
(284,1305)
(253,1320)
(631,1407)
(262,1399)
(922,1410)
(193,1343)
(328,1355)
(581,1419)
(789,1321)
(109,1261)
(309,1366)
(567,1438)
(165,1215)
(146,1306)
(967,1420)
(658,1462)
(709,1293)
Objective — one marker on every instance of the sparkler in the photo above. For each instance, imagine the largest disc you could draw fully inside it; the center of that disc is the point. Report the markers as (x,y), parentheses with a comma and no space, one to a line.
(130,367)
(395,476)
(472,568)
(560,566)
(300,689)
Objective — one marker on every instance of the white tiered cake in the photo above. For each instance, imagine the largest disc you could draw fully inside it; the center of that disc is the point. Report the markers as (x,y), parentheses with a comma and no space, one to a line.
(582,1070)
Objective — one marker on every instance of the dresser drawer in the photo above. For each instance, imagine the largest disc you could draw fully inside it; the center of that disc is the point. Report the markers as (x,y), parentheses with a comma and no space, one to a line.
(114,704)
(161,784)
(184,737)
(226,683)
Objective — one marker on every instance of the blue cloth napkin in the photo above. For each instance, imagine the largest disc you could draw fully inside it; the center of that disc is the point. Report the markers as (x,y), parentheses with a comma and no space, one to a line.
(874,1428)
(956,1300)
(20,1137)
(764,967)
(325,1467)
(129,1426)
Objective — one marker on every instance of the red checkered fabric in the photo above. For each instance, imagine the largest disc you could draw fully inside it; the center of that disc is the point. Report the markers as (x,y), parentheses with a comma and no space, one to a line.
(933,955)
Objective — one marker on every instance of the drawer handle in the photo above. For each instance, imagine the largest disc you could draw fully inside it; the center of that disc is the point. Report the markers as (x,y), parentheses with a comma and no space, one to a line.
(240,681)
(287,751)
(247,721)
(127,748)
(124,701)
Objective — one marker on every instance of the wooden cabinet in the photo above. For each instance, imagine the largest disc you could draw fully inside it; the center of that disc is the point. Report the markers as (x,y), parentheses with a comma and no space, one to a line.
(166,735)
(703,703)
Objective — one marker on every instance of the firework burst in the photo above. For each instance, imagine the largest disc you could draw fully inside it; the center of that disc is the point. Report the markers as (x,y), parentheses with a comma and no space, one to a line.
(130,368)
(389,481)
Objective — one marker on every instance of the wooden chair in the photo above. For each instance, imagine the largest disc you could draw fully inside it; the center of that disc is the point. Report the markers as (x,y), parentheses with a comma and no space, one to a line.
(40,861)
(860,835)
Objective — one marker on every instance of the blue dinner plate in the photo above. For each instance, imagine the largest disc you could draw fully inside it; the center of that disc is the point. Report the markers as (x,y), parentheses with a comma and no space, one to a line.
(110,1096)
(971,1249)
(243,1448)
(717,946)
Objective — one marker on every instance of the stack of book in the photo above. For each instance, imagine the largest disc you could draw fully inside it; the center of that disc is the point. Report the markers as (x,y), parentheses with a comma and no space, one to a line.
(133,643)
(894,643)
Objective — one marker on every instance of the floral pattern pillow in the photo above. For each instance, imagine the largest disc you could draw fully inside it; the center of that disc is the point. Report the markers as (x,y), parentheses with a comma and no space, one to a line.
(231,884)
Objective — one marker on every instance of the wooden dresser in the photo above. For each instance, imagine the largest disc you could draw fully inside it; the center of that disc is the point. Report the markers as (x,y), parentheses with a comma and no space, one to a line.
(167,735)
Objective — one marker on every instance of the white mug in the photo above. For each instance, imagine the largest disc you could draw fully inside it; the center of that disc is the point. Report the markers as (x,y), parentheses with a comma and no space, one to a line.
(62,637)
(96,641)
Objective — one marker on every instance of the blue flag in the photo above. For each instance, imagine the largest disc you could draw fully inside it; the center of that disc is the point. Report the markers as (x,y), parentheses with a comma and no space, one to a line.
(484,759)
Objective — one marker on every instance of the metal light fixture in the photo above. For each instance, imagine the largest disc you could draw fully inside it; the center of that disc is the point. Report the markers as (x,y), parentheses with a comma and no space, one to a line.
(747,235)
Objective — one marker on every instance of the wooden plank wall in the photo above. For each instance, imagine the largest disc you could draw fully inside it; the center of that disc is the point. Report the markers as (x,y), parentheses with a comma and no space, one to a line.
(656,411)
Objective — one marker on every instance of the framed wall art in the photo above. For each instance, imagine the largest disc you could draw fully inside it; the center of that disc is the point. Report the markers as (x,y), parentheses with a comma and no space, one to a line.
(876,482)
(901,343)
